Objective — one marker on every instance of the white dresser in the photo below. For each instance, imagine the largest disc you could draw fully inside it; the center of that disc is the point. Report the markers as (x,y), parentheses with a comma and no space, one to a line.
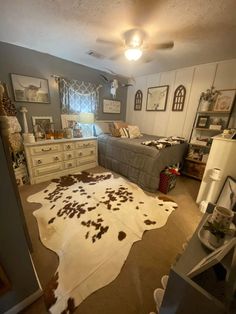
(54,158)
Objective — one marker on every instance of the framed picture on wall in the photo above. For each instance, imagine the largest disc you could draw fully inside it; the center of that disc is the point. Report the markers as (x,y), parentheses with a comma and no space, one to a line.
(157,98)
(224,100)
(30,89)
(111,106)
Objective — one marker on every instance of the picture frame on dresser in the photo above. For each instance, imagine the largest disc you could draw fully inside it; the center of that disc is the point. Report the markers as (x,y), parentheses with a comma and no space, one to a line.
(42,121)
(227,196)
(30,89)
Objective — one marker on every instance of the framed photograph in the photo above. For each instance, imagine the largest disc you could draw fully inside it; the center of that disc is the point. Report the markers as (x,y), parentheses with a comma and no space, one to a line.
(202,122)
(111,106)
(30,89)
(225,100)
(227,197)
(69,120)
(138,100)
(214,258)
(157,98)
(43,122)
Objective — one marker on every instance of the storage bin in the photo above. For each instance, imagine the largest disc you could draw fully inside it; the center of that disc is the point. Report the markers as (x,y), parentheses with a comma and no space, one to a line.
(167,181)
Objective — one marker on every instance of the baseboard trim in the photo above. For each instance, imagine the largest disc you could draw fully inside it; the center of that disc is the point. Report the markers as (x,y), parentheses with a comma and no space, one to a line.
(23,304)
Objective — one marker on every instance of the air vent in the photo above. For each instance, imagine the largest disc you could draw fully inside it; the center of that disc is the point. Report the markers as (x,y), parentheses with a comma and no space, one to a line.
(95,54)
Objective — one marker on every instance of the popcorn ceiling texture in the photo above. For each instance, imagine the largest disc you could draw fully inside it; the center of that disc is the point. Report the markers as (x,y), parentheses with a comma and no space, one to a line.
(203,31)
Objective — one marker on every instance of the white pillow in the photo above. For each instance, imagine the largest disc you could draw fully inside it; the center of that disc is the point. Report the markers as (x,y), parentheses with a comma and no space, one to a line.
(134,131)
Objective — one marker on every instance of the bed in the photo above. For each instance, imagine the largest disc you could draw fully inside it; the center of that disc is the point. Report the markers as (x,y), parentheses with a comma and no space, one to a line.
(139,163)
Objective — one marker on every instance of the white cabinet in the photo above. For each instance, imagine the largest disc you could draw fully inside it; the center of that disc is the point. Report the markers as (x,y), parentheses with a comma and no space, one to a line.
(54,158)
(222,156)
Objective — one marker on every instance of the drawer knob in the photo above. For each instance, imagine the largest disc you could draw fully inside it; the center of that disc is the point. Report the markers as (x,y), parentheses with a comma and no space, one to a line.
(70,165)
(39,161)
(68,147)
(56,158)
(80,154)
(69,156)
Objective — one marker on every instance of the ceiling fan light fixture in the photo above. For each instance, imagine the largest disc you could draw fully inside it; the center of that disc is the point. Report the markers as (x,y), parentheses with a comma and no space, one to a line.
(133,54)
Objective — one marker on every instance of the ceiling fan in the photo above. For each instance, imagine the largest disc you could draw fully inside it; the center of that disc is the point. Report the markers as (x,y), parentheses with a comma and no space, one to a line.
(134,42)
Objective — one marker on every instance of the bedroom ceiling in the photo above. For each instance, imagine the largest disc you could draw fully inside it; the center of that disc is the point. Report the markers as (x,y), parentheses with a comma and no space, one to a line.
(202,30)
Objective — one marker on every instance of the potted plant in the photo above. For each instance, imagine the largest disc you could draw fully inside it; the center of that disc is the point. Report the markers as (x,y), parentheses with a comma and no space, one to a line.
(207,98)
(217,232)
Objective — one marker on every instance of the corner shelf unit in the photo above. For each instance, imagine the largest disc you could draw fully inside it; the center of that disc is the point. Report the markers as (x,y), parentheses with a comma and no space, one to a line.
(206,125)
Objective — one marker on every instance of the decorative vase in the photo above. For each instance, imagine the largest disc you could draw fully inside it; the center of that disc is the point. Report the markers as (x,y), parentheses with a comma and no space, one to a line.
(204,105)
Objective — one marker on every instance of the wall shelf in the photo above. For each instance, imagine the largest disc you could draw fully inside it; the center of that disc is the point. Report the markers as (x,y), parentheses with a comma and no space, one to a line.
(201,139)
(208,130)
(197,161)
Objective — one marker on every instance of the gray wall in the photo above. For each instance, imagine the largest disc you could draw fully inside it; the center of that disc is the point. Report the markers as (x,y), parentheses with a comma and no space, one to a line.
(14,253)
(18,60)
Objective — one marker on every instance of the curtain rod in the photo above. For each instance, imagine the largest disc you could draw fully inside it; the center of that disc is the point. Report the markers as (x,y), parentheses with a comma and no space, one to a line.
(58,77)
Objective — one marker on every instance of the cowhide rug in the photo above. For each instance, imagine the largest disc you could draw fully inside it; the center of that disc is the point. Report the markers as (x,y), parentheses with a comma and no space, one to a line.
(91,222)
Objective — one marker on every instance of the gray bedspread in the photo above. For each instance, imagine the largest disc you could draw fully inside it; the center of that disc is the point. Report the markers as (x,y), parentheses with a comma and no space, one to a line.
(139,163)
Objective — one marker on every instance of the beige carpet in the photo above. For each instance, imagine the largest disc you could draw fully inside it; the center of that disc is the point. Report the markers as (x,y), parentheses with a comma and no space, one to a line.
(149,259)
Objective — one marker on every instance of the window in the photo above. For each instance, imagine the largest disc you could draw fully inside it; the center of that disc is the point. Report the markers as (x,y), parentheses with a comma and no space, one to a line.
(179,98)
(77,96)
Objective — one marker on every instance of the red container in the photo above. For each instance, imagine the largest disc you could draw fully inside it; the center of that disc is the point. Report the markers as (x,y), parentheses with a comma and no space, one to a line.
(167,182)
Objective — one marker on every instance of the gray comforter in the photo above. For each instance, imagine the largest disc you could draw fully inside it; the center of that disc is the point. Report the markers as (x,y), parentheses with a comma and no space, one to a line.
(139,163)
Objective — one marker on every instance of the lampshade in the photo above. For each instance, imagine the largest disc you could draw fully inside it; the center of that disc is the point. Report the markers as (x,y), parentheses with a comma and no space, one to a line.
(86,117)
(133,54)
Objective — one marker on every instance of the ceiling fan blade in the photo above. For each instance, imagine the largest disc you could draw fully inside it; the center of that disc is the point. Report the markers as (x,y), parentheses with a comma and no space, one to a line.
(167,45)
(108,42)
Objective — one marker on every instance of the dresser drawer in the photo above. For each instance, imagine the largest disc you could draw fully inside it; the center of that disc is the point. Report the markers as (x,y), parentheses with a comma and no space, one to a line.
(84,144)
(86,160)
(70,164)
(48,169)
(69,155)
(35,150)
(69,146)
(46,159)
(86,152)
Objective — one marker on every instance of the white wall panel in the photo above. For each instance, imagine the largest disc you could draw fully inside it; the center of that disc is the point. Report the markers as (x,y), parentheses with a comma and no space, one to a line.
(202,80)
(162,117)
(149,117)
(196,79)
(226,75)
(177,119)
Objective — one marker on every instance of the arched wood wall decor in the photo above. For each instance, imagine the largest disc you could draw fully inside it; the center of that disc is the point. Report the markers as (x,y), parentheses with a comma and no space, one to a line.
(138,100)
(179,98)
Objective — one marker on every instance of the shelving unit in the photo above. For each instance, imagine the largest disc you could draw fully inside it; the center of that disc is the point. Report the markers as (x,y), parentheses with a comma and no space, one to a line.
(206,125)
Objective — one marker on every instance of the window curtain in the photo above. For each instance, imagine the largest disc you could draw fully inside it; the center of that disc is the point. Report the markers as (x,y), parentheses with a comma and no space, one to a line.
(77,96)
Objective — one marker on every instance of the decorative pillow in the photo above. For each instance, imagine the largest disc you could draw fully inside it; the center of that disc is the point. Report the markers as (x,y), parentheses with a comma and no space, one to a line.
(124,132)
(101,127)
(115,132)
(120,124)
(13,124)
(134,131)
